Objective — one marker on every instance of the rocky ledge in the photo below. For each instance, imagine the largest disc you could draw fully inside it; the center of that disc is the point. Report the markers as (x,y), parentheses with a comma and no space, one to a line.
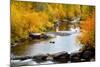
(62,57)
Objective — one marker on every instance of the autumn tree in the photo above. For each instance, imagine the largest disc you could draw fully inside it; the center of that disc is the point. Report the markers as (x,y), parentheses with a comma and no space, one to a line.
(29,17)
(25,19)
(88,31)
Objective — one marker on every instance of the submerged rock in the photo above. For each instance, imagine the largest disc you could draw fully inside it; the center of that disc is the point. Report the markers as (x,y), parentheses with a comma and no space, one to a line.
(52,42)
(22,58)
(25,58)
(47,62)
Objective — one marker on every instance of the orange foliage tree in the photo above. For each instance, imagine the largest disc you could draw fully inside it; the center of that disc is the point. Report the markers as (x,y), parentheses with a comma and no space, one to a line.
(88,31)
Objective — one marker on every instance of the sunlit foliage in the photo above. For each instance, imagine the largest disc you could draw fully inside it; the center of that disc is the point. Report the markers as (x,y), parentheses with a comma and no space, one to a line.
(29,17)
(88,31)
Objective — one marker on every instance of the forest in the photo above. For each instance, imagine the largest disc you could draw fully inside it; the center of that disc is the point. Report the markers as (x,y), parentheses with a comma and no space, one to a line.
(51,33)
(38,17)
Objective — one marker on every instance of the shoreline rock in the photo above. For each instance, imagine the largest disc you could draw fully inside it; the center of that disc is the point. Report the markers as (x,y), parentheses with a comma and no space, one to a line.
(86,55)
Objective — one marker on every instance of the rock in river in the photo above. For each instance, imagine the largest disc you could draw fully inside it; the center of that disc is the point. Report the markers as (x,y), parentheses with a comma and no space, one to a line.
(87,55)
(75,57)
(62,57)
(40,58)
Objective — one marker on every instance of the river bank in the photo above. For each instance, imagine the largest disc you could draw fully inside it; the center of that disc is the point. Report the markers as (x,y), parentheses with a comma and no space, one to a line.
(32,38)
(60,49)
(60,57)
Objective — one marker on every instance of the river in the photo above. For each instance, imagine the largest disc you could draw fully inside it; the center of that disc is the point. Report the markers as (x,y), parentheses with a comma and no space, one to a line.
(66,43)
(56,44)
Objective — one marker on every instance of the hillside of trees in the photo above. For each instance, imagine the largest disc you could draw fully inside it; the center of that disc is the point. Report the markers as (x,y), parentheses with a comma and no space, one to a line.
(29,17)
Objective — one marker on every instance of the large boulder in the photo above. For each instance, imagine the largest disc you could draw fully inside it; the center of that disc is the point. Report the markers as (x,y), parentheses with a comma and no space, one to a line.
(62,57)
(40,58)
(44,36)
(87,55)
(34,36)
(75,57)
(38,36)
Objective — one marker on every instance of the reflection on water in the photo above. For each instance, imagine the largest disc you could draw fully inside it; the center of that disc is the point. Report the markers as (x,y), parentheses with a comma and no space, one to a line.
(61,43)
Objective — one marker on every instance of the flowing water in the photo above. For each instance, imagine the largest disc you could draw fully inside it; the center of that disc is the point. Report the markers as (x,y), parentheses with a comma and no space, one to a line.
(57,44)
(66,43)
